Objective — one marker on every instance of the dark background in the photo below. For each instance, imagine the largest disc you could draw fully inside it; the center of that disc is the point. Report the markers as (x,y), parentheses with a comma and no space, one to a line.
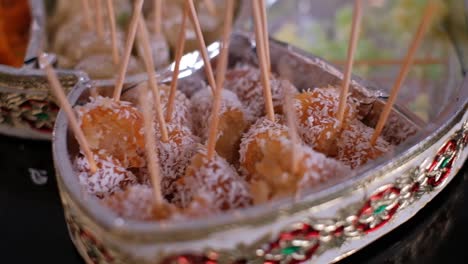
(32,227)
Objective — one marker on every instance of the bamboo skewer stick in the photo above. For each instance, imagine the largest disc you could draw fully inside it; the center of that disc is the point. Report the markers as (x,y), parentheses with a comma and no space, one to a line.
(153,83)
(128,49)
(157,11)
(150,145)
(57,90)
(87,14)
(292,130)
(353,41)
(392,62)
(428,14)
(178,56)
(265,76)
(201,43)
(265,33)
(213,129)
(99,19)
(113,27)
(224,53)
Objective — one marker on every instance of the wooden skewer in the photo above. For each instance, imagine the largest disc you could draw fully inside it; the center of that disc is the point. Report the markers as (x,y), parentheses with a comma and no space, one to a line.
(428,14)
(99,19)
(265,33)
(262,61)
(153,83)
(224,53)
(211,7)
(213,130)
(128,49)
(178,56)
(113,27)
(67,108)
(202,45)
(356,28)
(292,130)
(392,62)
(150,145)
(87,14)
(157,11)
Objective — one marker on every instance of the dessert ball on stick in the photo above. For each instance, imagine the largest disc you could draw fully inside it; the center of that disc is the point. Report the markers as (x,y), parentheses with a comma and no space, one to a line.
(284,166)
(215,183)
(244,81)
(276,177)
(233,120)
(99,173)
(230,119)
(316,112)
(181,115)
(175,156)
(115,127)
(355,148)
(110,176)
(357,143)
(140,202)
(176,152)
(112,125)
(429,12)
(209,177)
(250,147)
(177,145)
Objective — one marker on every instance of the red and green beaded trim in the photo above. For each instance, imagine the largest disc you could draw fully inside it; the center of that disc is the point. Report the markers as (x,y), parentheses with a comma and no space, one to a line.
(36,112)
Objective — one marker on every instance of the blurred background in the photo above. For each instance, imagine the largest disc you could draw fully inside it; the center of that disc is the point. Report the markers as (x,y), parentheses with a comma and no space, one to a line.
(323,28)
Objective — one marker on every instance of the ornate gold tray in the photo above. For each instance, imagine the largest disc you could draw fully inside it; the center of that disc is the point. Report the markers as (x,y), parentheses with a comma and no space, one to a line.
(326,224)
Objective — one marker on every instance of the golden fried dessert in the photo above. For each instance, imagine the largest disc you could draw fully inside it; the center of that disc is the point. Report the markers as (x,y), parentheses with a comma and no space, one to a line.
(213,183)
(181,115)
(316,112)
(174,157)
(250,147)
(233,121)
(354,147)
(110,176)
(115,128)
(285,169)
(244,81)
